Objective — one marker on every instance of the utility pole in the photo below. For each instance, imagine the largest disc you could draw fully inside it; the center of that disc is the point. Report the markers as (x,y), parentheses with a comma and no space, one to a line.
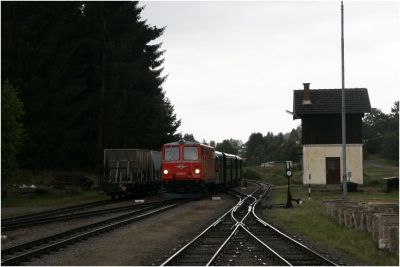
(288,176)
(343,116)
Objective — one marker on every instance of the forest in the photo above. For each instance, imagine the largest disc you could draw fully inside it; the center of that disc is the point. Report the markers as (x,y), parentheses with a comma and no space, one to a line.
(78,77)
(381,133)
(380,138)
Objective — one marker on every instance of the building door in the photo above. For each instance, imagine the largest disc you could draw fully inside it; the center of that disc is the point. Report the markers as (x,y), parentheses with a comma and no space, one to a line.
(333,170)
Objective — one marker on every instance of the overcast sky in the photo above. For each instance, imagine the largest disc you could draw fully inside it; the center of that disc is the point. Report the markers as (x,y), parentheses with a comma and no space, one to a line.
(232,66)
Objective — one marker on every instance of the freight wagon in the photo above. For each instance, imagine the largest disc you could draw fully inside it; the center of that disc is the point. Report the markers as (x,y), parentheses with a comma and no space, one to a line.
(131,172)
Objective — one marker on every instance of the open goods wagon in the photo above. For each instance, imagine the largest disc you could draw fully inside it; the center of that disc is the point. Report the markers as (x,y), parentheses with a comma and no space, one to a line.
(131,172)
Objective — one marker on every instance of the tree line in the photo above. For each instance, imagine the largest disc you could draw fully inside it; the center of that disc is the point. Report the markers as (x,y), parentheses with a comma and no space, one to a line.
(259,149)
(280,147)
(79,77)
(380,137)
(381,133)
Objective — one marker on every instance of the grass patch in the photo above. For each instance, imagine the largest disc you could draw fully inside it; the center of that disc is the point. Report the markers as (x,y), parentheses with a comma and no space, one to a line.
(308,221)
(274,174)
(43,178)
(16,205)
(377,169)
(52,198)
(46,197)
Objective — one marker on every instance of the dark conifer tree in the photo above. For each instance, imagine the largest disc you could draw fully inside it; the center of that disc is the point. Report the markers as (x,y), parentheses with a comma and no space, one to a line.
(12,130)
(90,77)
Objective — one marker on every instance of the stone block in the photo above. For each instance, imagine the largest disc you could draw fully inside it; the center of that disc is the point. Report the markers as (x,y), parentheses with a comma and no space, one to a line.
(341,212)
(348,217)
(394,239)
(385,239)
(329,206)
(380,221)
(368,219)
(382,207)
(360,220)
(354,217)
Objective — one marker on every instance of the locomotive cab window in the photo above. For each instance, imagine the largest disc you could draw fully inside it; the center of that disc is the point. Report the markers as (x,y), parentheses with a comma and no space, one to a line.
(171,153)
(190,153)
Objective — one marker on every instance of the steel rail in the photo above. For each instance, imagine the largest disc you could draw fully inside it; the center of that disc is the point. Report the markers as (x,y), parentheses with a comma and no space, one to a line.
(239,227)
(58,211)
(267,247)
(235,193)
(242,225)
(75,230)
(223,245)
(214,224)
(71,231)
(234,218)
(65,242)
(203,233)
(302,246)
(44,220)
(239,205)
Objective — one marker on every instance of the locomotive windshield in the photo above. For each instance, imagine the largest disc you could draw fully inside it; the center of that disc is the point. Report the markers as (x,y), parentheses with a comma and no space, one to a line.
(190,153)
(171,153)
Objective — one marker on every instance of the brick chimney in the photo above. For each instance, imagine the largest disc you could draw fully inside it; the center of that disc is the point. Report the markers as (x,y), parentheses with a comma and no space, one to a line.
(307,94)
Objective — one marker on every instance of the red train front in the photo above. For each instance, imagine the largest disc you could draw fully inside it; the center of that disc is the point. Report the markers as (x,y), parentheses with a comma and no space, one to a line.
(187,167)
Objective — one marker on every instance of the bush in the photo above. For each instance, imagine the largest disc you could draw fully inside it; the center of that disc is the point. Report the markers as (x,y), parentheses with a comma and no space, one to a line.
(390,146)
(251,174)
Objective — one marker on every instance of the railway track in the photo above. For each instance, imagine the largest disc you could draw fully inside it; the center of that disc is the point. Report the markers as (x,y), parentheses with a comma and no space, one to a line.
(51,213)
(293,251)
(24,252)
(240,237)
(66,215)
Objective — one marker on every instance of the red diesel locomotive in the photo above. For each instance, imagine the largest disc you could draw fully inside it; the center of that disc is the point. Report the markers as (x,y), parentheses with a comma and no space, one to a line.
(193,167)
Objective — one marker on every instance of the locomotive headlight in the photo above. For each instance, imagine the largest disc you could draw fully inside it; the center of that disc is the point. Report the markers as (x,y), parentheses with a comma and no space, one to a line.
(197,171)
(165,171)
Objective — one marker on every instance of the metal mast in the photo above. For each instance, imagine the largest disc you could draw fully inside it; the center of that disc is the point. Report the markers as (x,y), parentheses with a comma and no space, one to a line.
(343,117)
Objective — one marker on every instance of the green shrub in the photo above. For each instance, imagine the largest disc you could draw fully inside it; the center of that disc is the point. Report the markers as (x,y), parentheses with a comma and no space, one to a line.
(251,174)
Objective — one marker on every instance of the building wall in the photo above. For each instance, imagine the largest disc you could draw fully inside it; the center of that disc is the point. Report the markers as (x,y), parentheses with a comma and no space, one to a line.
(314,163)
(327,129)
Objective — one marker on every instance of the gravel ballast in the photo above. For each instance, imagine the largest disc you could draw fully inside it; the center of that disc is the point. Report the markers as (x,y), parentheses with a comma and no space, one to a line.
(146,242)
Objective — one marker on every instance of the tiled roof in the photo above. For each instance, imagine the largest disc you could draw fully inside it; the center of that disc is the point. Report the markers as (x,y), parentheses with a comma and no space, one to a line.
(329,101)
